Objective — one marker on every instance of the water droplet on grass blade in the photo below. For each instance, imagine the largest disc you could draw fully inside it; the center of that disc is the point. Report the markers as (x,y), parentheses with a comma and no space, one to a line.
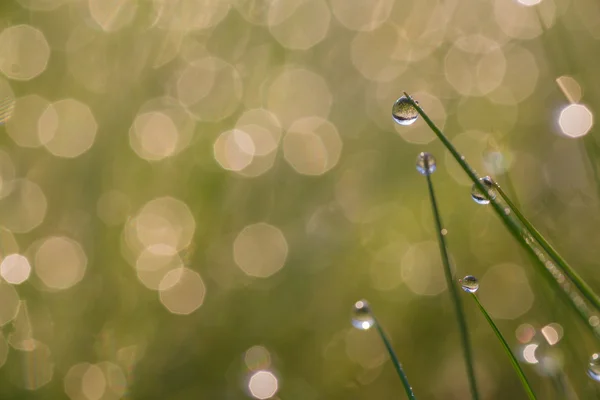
(594,367)
(425,164)
(403,112)
(478,196)
(361,315)
(469,284)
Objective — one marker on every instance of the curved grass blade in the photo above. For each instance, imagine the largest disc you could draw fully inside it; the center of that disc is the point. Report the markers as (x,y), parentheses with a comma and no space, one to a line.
(511,356)
(587,292)
(399,370)
(512,226)
(363,318)
(460,315)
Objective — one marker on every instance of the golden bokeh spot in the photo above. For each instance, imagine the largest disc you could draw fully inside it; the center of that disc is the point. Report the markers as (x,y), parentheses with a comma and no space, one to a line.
(475,65)
(112,15)
(67,128)
(421,269)
(25,52)
(24,208)
(165,221)
(292,32)
(234,150)
(23,126)
(153,136)
(182,291)
(312,146)
(36,367)
(93,383)
(575,120)
(15,269)
(570,88)
(154,263)
(263,385)
(260,250)
(257,357)
(506,292)
(60,262)
(210,88)
(370,52)
(190,15)
(359,15)
(85,381)
(297,93)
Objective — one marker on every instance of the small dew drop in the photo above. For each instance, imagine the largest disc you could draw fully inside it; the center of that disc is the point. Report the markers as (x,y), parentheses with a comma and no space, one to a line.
(506,211)
(361,315)
(478,196)
(444,232)
(403,112)
(594,367)
(469,284)
(425,164)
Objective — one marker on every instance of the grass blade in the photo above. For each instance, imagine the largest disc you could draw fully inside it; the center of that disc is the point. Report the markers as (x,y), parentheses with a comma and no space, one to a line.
(395,361)
(511,356)
(511,224)
(460,315)
(583,287)
(363,318)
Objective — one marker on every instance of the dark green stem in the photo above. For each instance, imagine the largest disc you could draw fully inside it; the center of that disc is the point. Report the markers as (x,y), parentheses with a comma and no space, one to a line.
(462,322)
(395,360)
(512,226)
(583,287)
(511,356)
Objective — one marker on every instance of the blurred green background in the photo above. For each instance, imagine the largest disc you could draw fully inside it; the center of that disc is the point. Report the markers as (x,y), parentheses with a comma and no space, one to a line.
(194,193)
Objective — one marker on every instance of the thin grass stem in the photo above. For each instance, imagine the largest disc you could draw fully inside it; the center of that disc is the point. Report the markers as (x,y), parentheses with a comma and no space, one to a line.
(397,365)
(511,356)
(512,226)
(462,322)
(583,287)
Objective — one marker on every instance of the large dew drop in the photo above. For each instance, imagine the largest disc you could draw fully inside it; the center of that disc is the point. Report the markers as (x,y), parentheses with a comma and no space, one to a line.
(425,164)
(361,315)
(469,284)
(478,196)
(403,112)
(594,367)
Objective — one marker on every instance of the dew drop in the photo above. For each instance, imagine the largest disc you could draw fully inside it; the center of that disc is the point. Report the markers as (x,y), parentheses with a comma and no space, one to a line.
(425,164)
(469,284)
(403,112)
(594,367)
(361,315)
(478,196)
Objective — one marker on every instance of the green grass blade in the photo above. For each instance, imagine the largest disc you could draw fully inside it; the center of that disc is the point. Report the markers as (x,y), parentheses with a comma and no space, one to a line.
(513,227)
(511,356)
(583,287)
(460,315)
(399,370)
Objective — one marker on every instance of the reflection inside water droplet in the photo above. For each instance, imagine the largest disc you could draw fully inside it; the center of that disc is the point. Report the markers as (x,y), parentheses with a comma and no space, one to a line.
(594,367)
(478,196)
(425,164)
(361,315)
(469,284)
(403,112)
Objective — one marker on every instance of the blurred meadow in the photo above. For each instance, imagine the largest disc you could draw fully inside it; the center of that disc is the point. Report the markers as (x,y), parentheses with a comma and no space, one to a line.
(194,193)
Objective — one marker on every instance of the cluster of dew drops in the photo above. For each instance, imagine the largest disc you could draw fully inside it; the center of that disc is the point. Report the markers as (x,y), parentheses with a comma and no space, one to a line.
(404,113)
